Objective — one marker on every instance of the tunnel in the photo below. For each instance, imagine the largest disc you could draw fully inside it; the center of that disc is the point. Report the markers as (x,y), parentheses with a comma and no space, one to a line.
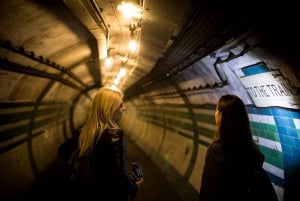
(53,59)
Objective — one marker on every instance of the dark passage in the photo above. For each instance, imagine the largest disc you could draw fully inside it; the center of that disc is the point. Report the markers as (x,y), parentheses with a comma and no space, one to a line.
(154,188)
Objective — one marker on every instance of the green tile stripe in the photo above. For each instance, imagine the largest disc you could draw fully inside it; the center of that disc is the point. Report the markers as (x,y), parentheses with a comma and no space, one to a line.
(178,118)
(264,130)
(263,127)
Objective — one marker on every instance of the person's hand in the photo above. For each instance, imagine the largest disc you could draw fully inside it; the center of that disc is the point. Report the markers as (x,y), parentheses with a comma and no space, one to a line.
(139,182)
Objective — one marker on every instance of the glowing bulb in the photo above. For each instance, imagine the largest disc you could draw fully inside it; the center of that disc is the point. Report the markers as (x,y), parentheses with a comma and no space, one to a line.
(108,62)
(122,72)
(130,10)
(132,45)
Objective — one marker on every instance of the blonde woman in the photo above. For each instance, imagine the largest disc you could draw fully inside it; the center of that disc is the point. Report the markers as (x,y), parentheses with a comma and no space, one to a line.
(103,142)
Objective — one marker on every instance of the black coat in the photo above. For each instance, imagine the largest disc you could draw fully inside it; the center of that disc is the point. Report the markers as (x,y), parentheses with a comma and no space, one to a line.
(106,176)
(228,171)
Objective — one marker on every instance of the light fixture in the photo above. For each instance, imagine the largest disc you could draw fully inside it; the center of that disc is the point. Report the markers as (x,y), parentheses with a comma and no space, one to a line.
(120,75)
(134,31)
(122,72)
(130,10)
(133,12)
(108,62)
(132,45)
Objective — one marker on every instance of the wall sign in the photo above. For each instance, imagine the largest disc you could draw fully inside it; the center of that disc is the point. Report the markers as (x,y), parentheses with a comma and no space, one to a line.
(269,88)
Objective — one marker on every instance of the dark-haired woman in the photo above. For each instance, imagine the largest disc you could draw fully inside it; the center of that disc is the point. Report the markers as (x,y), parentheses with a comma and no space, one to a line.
(232,157)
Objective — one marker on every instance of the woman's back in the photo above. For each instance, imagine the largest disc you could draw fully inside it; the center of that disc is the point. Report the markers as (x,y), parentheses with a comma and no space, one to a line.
(233,157)
(227,171)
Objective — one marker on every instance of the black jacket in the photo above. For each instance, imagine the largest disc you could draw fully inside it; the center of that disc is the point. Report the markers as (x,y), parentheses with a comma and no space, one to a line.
(227,171)
(107,177)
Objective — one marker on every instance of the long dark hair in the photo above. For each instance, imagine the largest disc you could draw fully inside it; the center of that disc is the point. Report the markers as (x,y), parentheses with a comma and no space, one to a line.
(234,125)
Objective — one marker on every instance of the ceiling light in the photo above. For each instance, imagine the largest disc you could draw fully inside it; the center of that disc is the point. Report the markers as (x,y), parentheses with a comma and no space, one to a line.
(129,10)
(132,45)
(122,72)
(108,62)
(116,81)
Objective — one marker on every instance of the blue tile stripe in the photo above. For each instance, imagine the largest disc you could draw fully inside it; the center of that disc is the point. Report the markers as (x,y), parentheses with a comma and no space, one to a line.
(255,69)
(287,127)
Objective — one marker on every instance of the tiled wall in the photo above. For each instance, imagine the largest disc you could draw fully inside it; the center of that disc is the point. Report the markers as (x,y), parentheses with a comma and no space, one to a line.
(276,131)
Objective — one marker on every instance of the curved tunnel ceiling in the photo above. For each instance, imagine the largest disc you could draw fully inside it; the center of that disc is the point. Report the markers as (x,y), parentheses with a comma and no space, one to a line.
(62,42)
(65,42)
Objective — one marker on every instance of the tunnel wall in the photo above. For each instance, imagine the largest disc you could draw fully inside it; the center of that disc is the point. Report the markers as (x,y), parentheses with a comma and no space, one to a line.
(175,124)
(30,136)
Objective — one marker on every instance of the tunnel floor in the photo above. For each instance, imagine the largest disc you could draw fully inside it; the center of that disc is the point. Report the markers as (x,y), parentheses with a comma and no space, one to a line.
(154,188)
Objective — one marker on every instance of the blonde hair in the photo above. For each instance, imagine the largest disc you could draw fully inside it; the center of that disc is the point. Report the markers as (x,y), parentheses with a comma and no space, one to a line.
(105,102)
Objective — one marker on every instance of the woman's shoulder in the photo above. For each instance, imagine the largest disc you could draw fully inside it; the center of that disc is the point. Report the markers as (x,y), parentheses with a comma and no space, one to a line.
(216,149)
(111,135)
(216,145)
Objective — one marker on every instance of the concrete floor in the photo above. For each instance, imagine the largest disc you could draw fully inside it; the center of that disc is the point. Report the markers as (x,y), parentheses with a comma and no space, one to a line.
(154,188)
